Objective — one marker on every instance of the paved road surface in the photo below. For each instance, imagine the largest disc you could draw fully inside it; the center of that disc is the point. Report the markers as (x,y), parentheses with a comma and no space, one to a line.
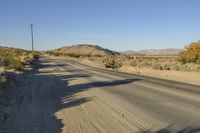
(65,96)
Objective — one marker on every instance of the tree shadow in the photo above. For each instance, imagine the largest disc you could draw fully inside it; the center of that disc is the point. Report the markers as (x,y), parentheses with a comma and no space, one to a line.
(42,95)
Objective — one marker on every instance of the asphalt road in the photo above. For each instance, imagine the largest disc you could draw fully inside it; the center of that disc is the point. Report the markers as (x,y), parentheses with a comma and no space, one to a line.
(62,95)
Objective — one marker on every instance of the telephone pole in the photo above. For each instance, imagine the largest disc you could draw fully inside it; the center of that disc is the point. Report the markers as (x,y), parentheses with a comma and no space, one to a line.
(32,37)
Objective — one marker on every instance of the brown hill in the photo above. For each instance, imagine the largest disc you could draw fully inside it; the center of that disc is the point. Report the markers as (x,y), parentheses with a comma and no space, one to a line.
(85,49)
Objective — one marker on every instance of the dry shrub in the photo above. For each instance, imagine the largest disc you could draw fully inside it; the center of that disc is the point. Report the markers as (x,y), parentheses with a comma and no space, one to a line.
(36,55)
(191,54)
(10,62)
(112,62)
(163,63)
(11,58)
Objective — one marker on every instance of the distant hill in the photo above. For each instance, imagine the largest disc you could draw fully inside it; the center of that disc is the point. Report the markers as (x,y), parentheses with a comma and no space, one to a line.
(130,52)
(169,51)
(85,49)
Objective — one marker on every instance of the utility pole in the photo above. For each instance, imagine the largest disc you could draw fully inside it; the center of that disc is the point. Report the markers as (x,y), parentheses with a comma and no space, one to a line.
(32,37)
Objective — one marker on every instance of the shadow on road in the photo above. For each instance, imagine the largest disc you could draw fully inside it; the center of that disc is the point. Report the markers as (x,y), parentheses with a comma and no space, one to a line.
(41,95)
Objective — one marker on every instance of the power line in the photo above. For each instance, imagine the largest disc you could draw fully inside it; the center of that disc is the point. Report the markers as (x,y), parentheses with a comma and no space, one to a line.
(31,25)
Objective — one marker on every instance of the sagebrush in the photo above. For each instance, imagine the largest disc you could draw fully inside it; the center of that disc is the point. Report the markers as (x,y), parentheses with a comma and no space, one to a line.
(11,58)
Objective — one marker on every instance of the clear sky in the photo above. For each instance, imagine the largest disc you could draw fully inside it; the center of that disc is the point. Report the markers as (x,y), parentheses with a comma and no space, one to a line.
(113,24)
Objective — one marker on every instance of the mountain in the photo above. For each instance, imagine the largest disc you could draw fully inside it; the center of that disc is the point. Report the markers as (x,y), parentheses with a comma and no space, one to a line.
(169,51)
(130,52)
(85,49)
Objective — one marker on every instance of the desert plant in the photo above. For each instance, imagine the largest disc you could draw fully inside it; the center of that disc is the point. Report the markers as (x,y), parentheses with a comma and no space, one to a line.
(156,66)
(134,63)
(11,58)
(191,54)
(10,63)
(36,55)
(112,62)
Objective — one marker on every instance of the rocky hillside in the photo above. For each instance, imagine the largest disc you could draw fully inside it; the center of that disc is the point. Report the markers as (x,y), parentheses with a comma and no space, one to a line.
(85,49)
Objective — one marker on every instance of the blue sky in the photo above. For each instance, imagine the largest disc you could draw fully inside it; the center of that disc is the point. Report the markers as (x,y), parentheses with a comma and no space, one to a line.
(114,24)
